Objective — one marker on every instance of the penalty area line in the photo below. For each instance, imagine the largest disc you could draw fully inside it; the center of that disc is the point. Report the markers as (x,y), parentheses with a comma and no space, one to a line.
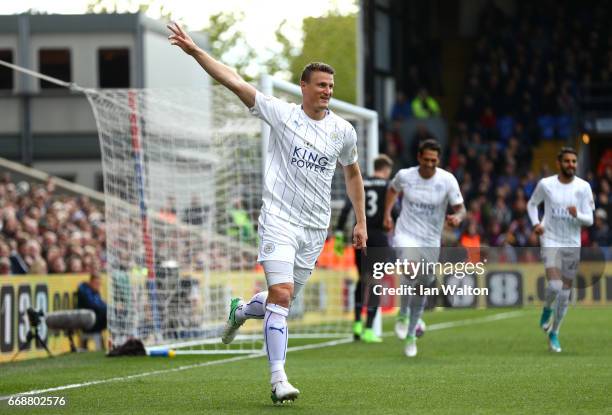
(438,326)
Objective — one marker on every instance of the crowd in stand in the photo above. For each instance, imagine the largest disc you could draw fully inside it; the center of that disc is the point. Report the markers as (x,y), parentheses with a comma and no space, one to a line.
(522,86)
(527,70)
(42,232)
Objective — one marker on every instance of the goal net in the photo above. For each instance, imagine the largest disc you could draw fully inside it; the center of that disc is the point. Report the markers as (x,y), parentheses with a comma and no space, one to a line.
(183,185)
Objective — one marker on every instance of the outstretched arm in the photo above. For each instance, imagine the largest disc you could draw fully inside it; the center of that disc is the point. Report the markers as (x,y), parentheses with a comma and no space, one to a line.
(223,74)
(356,192)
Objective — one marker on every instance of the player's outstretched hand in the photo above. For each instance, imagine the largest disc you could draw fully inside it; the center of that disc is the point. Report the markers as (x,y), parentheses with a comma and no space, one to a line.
(360,236)
(538,229)
(572,211)
(181,39)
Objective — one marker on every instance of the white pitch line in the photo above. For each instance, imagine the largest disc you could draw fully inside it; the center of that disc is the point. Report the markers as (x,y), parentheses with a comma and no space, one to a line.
(468,321)
(438,326)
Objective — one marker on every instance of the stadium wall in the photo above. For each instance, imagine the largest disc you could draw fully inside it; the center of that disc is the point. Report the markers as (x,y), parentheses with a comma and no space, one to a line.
(329,294)
(41,292)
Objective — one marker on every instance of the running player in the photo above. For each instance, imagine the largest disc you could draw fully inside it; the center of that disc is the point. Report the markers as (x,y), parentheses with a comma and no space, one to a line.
(568,205)
(426,193)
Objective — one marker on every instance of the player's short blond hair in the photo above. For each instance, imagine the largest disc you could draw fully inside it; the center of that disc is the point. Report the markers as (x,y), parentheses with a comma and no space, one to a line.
(315,67)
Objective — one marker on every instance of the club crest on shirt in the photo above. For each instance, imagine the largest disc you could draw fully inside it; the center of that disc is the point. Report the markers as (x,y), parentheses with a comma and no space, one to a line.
(268,248)
(335,136)
(438,187)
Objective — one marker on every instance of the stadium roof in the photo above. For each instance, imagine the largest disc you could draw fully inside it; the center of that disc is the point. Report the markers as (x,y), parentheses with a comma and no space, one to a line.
(88,23)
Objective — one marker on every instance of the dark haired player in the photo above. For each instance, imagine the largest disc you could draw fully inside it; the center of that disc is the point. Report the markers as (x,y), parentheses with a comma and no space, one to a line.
(426,193)
(568,205)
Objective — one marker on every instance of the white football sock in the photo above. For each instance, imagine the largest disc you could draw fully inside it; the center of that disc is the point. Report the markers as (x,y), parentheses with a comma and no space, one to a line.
(561,309)
(255,308)
(276,334)
(404,298)
(553,289)
(417,305)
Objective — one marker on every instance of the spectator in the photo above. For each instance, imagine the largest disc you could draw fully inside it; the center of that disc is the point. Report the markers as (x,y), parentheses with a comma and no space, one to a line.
(57,266)
(600,232)
(39,267)
(41,231)
(470,239)
(424,105)
(195,214)
(402,110)
(18,264)
(488,120)
(5,266)
(75,265)
(88,297)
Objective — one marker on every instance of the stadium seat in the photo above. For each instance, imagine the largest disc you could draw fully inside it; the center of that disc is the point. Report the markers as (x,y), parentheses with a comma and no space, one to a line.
(505,127)
(563,126)
(547,126)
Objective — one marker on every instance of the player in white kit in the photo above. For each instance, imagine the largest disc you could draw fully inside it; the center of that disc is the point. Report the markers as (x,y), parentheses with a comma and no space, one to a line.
(306,142)
(426,193)
(568,205)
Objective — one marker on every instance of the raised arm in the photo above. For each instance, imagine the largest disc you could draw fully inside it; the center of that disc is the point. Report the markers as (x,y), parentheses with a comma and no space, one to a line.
(356,192)
(222,73)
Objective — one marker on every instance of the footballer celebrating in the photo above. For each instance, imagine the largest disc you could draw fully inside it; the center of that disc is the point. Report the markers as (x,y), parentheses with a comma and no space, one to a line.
(426,193)
(568,205)
(306,143)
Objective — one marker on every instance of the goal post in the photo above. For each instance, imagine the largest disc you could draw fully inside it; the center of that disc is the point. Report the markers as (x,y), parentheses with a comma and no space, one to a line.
(183,181)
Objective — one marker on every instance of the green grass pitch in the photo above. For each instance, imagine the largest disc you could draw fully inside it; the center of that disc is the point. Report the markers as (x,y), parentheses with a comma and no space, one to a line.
(479,367)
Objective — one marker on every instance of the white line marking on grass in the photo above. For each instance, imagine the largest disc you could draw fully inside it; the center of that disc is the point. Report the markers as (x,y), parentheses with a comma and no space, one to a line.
(438,326)
(176,369)
(468,321)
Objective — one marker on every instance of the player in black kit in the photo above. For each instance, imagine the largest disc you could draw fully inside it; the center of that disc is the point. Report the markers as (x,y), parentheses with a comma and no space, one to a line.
(375,191)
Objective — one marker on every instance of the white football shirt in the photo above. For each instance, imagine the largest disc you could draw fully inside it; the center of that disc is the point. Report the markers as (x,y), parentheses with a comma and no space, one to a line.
(424,204)
(560,228)
(301,160)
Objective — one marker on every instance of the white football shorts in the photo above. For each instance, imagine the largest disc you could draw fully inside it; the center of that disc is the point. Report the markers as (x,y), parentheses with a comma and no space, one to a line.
(280,240)
(406,248)
(565,259)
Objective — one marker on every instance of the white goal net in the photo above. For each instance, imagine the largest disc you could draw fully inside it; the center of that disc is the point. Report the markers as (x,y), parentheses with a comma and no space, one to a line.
(183,184)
